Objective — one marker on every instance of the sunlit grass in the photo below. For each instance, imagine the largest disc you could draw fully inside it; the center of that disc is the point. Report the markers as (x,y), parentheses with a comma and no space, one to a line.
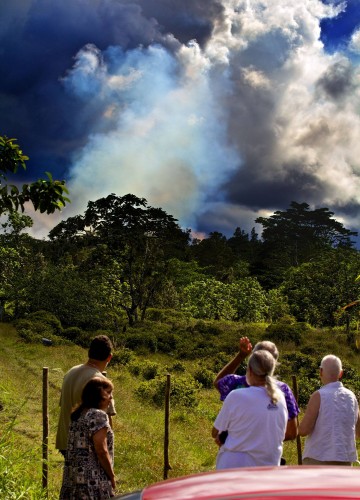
(138,426)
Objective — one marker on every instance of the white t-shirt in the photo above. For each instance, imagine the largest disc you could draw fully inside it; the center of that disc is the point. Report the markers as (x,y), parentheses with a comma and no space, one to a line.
(255,425)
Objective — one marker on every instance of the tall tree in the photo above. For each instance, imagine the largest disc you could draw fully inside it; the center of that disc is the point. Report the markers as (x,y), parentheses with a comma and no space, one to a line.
(295,236)
(140,237)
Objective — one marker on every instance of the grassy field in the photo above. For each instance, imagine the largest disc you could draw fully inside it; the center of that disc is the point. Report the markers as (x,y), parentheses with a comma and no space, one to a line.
(139,427)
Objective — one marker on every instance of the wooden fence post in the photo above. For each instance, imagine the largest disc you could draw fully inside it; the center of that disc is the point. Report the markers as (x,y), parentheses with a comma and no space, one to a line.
(298,439)
(45,442)
(167,466)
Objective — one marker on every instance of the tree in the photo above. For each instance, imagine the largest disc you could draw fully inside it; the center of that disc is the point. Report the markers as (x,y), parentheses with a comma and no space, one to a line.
(140,237)
(295,236)
(45,195)
(208,299)
(314,294)
(213,255)
(249,300)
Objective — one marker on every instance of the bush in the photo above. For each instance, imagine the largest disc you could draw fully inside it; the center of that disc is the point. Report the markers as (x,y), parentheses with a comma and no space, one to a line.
(122,356)
(177,367)
(34,331)
(135,367)
(136,341)
(47,318)
(150,370)
(72,333)
(286,332)
(205,377)
(183,391)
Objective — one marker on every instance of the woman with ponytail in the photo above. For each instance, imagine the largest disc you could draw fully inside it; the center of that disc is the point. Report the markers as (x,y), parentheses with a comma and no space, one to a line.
(255,418)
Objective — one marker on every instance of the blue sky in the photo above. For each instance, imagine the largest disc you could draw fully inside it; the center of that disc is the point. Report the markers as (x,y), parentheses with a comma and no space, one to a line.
(218,111)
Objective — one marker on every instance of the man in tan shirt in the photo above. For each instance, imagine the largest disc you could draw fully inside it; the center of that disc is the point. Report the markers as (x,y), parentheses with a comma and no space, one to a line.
(75,380)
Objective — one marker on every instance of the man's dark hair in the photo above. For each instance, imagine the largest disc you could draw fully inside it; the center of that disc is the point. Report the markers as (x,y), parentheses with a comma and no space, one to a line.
(92,395)
(100,348)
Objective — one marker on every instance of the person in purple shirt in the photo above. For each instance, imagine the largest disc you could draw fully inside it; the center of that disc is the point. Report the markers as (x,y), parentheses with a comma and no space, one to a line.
(226,381)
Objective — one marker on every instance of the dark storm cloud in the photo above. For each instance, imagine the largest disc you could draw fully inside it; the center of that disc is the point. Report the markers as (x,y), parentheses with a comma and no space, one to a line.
(217,112)
(39,40)
(337,80)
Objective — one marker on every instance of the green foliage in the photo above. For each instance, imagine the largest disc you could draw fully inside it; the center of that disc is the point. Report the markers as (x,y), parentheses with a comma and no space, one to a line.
(141,341)
(177,367)
(183,391)
(45,195)
(135,367)
(39,325)
(315,294)
(249,300)
(143,238)
(122,356)
(208,299)
(278,306)
(72,333)
(47,318)
(15,481)
(287,332)
(205,377)
(150,370)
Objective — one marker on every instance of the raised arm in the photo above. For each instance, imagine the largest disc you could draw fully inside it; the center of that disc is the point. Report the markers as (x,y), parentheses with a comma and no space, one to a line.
(245,349)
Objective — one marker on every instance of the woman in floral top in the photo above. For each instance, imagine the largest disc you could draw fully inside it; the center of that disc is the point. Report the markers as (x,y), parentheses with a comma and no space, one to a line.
(88,471)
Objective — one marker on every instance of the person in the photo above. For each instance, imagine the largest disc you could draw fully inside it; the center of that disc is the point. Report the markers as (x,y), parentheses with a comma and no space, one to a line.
(226,381)
(331,421)
(88,472)
(255,418)
(99,355)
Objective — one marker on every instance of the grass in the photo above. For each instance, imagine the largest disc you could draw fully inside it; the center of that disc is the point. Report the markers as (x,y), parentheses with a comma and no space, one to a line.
(139,427)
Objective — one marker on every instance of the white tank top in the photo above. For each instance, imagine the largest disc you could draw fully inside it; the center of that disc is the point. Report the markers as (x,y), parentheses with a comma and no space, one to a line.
(333,437)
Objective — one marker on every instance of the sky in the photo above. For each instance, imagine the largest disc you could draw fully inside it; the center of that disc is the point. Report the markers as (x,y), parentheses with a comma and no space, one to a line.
(217,111)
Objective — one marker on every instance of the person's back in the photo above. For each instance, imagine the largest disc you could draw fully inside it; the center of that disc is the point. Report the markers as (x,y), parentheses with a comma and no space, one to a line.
(256,426)
(331,421)
(255,419)
(333,437)
(75,380)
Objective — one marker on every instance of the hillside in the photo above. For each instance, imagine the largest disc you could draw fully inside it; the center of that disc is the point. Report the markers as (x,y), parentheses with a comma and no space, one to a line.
(139,425)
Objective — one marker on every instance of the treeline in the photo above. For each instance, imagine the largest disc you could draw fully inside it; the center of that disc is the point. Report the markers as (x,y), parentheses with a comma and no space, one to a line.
(105,269)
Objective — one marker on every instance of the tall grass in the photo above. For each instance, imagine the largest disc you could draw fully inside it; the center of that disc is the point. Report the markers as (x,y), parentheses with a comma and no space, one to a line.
(20,474)
(138,426)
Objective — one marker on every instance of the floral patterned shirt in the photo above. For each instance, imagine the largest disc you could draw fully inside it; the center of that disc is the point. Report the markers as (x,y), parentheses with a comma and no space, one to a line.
(84,478)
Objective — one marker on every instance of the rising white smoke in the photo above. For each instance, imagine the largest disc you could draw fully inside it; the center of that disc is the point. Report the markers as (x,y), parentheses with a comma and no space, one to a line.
(221,132)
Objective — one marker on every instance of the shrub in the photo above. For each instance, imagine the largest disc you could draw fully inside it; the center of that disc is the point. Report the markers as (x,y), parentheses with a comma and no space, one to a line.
(168,342)
(150,370)
(47,318)
(136,341)
(205,377)
(122,356)
(286,332)
(306,386)
(135,367)
(183,391)
(33,331)
(72,333)
(177,367)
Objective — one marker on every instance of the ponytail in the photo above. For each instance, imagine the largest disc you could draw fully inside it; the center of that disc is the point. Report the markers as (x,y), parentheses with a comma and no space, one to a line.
(272,389)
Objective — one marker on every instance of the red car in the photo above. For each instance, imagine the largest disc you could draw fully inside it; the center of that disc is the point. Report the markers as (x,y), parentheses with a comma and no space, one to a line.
(258,483)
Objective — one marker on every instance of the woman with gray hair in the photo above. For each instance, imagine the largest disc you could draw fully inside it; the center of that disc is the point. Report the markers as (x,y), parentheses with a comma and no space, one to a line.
(254,417)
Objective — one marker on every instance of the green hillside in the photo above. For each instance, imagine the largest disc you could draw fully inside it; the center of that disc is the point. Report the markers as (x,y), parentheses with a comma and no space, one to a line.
(138,376)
